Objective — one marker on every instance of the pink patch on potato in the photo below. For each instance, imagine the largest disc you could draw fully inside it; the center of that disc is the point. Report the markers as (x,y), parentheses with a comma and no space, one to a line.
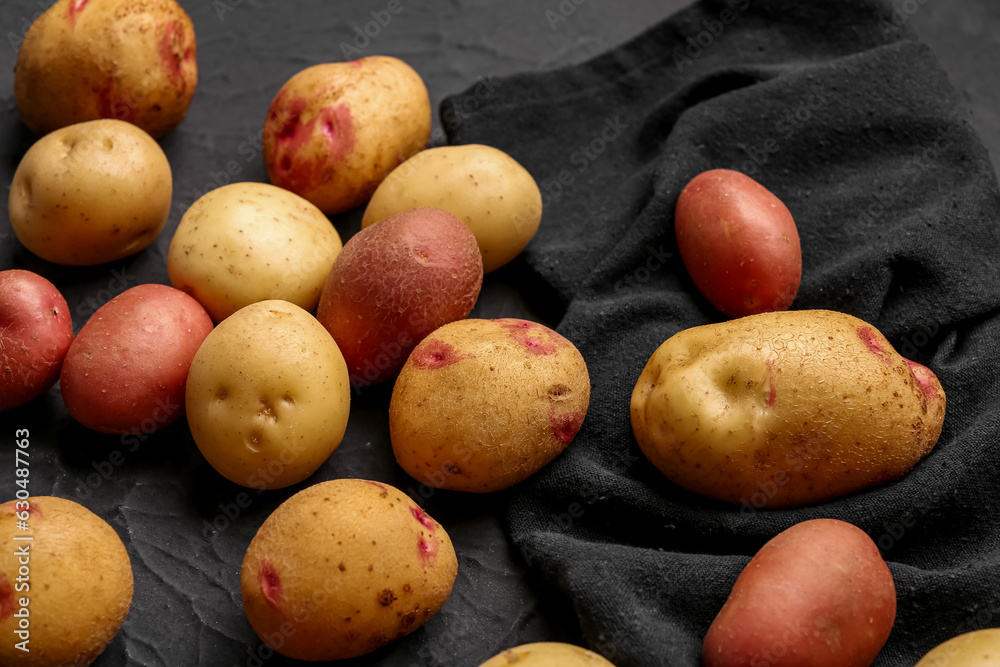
(537,339)
(872,340)
(6,599)
(925,378)
(270,584)
(425,520)
(33,509)
(73,10)
(428,550)
(173,37)
(772,393)
(434,354)
(565,426)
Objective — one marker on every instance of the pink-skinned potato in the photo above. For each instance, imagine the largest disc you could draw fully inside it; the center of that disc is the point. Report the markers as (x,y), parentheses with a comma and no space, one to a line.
(395,282)
(816,595)
(35,333)
(127,369)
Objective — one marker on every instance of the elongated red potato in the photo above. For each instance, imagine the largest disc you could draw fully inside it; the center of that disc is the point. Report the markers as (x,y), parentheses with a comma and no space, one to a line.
(816,595)
(739,243)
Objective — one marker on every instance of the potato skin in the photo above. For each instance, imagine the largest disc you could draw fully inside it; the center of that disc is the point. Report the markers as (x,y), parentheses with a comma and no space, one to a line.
(87,580)
(483,404)
(127,368)
(35,333)
(816,595)
(739,243)
(267,396)
(89,59)
(482,186)
(784,409)
(91,193)
(343,568)
(393,284)
(547,654)
(249,242)
(972,649)
(335,130)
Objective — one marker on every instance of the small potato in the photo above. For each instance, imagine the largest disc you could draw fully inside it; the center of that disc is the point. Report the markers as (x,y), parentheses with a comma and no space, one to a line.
(249,242)
(91,193)
(89,59)
(78,589)
(739,243)
(547,654)
(267,396)
(335,130)
(126,370)
(817,594)
(394,284)
(972,649)
(784,409)
(482,186)
(35,332)
(482,404)
(343,568)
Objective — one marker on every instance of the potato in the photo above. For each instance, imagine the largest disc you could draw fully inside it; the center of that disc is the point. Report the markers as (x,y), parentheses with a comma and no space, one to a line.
(35,333)
(89,59)
(65,592)
(972,649)
(784,409)
(482,186)
(817,594)
(394,284)
(739,243)
(126,370)
(482,404)
(547,654)
(343,568)
(268,397)
(91,193)
(250,242)
(335,130)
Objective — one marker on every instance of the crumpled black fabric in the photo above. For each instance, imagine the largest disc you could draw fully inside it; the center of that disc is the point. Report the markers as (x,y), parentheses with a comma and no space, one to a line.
(844,114)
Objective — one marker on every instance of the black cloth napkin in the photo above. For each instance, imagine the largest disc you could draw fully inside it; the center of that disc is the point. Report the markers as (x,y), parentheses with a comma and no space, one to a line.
(840,111)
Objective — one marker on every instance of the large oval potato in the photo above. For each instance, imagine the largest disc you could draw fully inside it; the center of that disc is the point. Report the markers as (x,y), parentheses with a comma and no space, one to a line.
(77,586)
(249,242)
(88,59)
(482,404)
(784,409)
(818,595)
(482,186)
(547,654)
(91,193)
(335,130)
(268,396)
(343,568)
(972,649)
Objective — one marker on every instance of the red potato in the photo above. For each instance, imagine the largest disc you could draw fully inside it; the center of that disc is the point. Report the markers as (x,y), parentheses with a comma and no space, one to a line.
(395,282)
(739,243)
(35,332)
(127,369)
(816,595)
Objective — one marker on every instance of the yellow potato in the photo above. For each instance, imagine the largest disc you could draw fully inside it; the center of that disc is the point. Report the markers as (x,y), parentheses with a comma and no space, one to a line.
(267,396)
(972,649)
(67,591)
(547,654)
(480,185)
(482,404)
(784,409)
(91,193)
(343,568)
(249,242)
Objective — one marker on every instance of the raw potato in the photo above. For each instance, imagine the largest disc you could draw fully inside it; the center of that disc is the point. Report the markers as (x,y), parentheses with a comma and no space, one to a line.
(335,130)
(816,595)
(482,186)
(482,404)
(35,332)
(78,589)
(249,242)
(343,568)
(267,396)
(547,654)
(89,59)
(739,243)
(972,649)
(91,193)
(784,409)
(395,283)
